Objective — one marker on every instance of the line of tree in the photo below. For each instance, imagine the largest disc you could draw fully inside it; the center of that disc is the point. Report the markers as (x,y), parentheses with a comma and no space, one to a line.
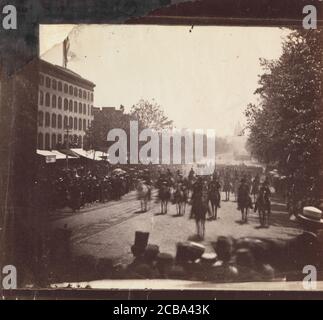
(285,126)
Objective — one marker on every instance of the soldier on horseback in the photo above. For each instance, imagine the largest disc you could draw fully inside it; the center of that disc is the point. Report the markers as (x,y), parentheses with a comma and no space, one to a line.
(214,196)
(263,204)
(164,195)
(255,187)
(244,200)
(200,205)
(180,198)
(227,186)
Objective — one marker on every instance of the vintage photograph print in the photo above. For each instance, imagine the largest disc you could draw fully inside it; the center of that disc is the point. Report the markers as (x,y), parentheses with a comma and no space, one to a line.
(172,156)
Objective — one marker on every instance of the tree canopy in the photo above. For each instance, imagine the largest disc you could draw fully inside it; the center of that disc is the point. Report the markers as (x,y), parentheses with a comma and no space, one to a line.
(150,115)
(285,125)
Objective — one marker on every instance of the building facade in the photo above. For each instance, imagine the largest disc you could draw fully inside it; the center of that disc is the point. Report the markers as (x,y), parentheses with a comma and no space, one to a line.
(65,107)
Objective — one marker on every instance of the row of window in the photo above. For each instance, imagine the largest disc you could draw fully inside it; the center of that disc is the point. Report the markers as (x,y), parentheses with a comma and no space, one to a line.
(69,105)
(52,142)
(68,89)
(56,121)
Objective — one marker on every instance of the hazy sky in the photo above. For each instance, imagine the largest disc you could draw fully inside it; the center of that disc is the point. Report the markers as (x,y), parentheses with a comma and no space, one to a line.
(202,79)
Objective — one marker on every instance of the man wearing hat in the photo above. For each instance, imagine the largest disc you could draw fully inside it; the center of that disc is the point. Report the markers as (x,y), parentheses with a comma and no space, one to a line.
(244,194)
(263,204)
(311,219)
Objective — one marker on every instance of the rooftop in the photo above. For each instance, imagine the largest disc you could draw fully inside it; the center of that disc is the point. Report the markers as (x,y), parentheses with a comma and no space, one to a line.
(65,74)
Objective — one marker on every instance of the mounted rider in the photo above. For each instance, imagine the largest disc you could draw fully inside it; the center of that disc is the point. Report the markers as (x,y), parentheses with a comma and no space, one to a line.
(264,193)
(244,194)
(215,187)
(199,197)
(191,174)
(255,185)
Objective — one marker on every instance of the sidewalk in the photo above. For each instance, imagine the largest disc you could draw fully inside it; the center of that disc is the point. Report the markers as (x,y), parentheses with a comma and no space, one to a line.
(68,212)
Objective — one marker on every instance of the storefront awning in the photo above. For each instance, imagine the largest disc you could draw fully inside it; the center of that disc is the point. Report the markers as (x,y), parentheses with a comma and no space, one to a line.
(54,155)
(61,156)
(91,154)
(49,156)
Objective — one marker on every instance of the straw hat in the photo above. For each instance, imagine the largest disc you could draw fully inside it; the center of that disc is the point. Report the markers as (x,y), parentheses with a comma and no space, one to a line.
(311,217)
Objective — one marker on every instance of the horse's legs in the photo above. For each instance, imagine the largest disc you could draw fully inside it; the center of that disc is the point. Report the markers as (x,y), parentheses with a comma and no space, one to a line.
(260,217)
(242,214)
(246,215)
(267,218)
(215,212)
(197,227)
(203,228)
(182,208)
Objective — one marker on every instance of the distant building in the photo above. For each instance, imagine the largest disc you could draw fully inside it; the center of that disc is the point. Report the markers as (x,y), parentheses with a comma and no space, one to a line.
(238,130)
(65,107)
(108,112)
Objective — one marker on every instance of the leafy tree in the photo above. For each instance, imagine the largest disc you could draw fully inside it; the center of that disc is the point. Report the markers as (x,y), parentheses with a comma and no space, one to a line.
(285,126)
(150,115)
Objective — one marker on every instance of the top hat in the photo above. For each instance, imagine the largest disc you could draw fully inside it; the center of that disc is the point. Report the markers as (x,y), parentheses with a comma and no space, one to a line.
(244,258)
(189,251)
(257,247)
(141,242)
(141,239)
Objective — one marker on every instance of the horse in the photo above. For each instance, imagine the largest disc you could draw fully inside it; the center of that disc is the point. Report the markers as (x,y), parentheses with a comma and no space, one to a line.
(235,188)
(144,195)
(255,190)
(164,195)
(263,206)
(199,209)
(214,198)
(244,202)
(227,187)
(180,198)
(190,184)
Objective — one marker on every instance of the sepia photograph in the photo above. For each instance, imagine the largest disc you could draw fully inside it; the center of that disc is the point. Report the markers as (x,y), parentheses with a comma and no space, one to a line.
(171,152)
(178,153)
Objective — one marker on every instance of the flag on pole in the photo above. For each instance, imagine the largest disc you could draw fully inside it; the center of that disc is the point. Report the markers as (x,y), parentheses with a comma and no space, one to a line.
(66,48)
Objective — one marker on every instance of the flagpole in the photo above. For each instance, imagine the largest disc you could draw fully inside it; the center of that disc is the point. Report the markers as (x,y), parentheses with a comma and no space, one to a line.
(66,47)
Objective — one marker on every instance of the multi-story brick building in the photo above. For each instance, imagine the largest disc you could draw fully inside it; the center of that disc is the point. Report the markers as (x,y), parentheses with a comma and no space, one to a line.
(65,107)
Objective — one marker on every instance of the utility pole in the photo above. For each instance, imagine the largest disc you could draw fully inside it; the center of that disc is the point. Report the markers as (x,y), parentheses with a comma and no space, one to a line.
(67,144)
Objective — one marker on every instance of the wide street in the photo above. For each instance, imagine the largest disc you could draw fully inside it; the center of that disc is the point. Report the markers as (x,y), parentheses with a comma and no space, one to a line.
(108,230)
